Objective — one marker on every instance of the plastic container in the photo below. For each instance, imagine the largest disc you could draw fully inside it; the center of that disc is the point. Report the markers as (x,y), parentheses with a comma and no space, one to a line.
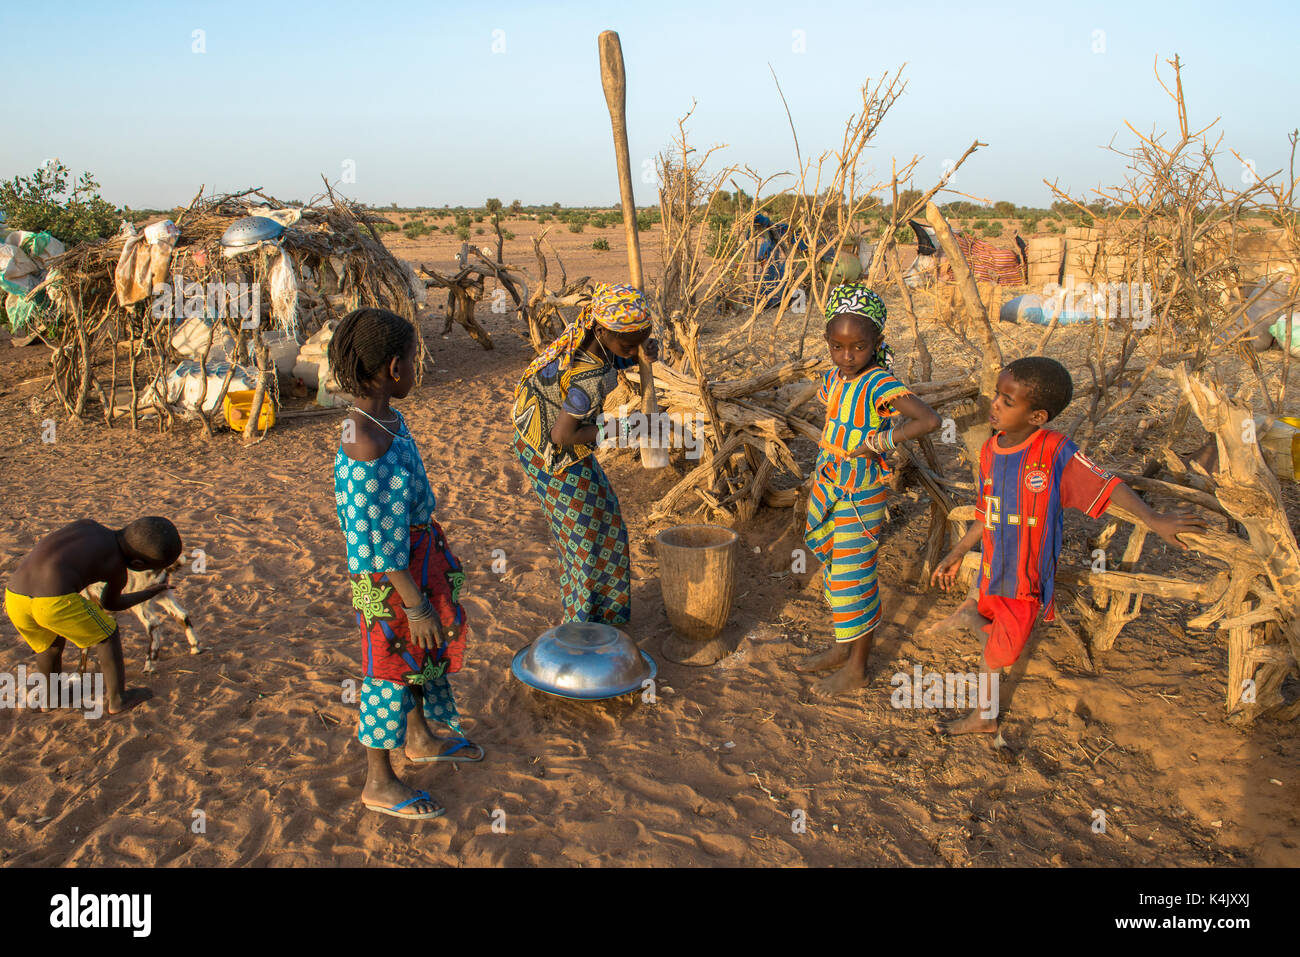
(238,407)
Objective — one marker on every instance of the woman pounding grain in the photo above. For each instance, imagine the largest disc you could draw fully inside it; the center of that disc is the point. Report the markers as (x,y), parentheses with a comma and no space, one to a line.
(556,407)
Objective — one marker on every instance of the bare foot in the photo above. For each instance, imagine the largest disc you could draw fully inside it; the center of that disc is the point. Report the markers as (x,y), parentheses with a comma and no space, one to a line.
(128,700)
(966,617)
(845,680)
(391,793)
(832,657)
(969,723)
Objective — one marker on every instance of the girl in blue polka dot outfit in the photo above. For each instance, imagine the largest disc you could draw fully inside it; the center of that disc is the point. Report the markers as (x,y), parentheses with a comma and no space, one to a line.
(405,581)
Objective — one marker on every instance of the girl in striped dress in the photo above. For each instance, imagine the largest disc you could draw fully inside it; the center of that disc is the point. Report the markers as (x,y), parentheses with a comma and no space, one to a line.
(868,412)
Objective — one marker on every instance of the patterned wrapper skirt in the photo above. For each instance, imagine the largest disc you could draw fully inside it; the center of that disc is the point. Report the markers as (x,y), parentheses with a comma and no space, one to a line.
(843,532)
(393,665)
(596,577)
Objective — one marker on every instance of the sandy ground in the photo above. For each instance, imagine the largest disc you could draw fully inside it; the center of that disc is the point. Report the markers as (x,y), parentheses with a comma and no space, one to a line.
(721,769)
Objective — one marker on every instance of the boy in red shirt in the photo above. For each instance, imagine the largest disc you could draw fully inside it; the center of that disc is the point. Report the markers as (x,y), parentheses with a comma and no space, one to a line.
(1029,475)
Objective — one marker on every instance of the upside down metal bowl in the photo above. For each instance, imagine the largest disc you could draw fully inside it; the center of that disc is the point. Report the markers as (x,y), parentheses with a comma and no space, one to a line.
(250,231)
(583,660)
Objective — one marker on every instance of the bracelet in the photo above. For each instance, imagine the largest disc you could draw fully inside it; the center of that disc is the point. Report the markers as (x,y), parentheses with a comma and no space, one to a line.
(425,610)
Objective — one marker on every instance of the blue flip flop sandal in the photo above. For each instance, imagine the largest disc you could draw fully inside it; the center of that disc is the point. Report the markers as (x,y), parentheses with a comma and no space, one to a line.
(396,809)
(452,756)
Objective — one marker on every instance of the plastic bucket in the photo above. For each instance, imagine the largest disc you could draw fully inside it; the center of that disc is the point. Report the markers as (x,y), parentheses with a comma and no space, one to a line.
(697,572)
(238,407)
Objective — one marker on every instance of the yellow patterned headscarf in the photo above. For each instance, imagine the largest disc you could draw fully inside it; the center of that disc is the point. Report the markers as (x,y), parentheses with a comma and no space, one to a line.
(616,306)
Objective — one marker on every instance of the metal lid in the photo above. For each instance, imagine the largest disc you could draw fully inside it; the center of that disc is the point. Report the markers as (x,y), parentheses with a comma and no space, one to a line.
(584,660)
(250,230)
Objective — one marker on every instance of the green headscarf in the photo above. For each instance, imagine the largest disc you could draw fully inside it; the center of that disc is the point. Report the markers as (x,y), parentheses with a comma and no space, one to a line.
(855,299)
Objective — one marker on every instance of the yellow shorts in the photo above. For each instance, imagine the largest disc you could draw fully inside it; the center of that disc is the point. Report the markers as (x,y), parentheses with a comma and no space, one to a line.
(74,617)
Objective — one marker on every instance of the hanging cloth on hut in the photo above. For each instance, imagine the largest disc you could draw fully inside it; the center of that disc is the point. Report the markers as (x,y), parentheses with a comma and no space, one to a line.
(284,292)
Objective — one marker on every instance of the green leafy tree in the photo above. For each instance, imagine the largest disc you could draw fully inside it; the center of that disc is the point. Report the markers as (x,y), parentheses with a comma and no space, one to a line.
(493,205)
(43,201)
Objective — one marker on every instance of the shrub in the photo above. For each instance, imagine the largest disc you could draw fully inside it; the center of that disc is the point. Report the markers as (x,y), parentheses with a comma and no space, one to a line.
(480,231)
(462,219)
(541,218)
(980,225)
(43,201)
(643,222)
(993,229)
(508,235)
(449,229)
(601,244)
(462,232)
(575,227)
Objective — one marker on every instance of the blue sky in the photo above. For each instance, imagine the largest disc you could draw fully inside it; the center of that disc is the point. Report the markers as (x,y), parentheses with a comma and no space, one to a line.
(414,95)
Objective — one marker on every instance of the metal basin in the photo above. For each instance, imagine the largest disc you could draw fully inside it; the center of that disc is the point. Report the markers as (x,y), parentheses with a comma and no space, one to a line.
(250,231)
(584,660)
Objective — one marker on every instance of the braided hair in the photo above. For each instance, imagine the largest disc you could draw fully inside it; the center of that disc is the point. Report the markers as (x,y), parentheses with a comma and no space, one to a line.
(363,345)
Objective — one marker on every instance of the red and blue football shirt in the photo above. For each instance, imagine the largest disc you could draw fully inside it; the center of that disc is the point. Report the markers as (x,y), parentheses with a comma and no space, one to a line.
(1024,492)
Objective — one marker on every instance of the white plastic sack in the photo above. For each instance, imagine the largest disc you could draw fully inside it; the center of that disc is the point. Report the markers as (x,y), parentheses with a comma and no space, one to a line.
(19,272)
(165,232)
(283,350)
(1027,308)
(184,384)
(191,338)
(41,246)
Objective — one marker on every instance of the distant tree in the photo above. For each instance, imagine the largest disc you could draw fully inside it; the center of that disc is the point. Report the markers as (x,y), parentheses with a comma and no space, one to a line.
(493,205)
(907,198)
(1004,209)
(555,206)
(516,207)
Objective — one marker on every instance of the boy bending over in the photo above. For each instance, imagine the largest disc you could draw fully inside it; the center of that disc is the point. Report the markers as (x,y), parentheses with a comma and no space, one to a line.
(45,603)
